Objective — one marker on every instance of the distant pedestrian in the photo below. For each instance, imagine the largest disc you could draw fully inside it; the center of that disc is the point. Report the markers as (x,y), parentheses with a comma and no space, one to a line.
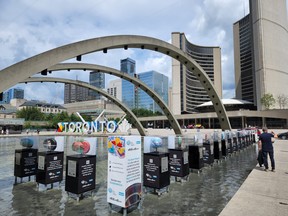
(265,144)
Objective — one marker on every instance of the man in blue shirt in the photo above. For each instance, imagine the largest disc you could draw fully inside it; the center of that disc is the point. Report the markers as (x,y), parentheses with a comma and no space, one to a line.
(265,143)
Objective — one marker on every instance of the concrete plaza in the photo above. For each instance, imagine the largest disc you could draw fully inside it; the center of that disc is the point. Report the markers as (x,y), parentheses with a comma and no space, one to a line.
(263,193)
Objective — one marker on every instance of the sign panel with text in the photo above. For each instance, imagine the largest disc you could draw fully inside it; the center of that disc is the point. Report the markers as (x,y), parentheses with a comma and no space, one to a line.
(124,185)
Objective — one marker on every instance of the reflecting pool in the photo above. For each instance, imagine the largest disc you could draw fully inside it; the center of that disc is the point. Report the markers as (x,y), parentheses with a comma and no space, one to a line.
(206,193)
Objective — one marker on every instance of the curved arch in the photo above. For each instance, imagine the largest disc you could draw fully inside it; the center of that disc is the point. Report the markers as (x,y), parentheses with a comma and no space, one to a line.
(80,66)
(24,69)
(86,85)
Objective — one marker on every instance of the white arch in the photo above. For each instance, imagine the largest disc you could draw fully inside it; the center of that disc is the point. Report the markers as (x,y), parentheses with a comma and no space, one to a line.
(24,69)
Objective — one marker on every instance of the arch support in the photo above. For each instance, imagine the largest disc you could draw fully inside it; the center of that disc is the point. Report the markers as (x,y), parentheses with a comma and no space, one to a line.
(25,69)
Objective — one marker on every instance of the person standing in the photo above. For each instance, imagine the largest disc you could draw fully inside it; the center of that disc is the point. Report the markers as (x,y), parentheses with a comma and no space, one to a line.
(265,144)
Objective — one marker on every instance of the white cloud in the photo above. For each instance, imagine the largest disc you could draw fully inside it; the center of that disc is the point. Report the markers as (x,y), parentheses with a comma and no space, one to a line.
(29,27)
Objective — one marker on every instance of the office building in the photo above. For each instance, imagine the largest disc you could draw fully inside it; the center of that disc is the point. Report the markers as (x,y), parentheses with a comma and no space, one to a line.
(243,60)
(13,93)
(96,79)
(128,89)
(115,88)
(43,107)
(260,52)
(187,91)
(74,93)
(157,82)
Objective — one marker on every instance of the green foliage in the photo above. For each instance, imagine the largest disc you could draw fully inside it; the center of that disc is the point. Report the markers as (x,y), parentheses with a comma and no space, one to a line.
(87,118)
(268,100)
(27,125)
(30,114)
(145,113)
(34,114)
(142,113)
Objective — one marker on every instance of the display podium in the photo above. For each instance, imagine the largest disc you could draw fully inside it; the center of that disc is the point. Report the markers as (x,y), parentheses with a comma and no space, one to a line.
(248,140)
(50,167)
(239,141)
(208,153)
(230,145)
(80,173)
(235,144)
(178,162)
(217,150)
(156,172)
(224,147)
(25,163)
(196,157)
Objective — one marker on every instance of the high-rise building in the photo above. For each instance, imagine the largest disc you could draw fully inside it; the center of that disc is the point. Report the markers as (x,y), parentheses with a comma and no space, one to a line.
(243,60)
(265,32)
(13,93)
(128,89)
(187,91)
(157,82)
(96,79)
(115,88)
(74,93)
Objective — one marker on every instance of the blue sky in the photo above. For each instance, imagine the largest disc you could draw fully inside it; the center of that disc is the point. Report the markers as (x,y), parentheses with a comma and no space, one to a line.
(30,27)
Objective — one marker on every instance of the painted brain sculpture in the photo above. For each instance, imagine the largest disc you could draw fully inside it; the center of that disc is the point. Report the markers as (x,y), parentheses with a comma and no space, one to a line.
(50,144)
(26,142)
(116,146)
(81,146)
(156,142)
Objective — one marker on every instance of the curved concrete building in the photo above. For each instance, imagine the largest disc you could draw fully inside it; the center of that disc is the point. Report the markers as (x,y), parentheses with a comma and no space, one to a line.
(266,35)
(187,91)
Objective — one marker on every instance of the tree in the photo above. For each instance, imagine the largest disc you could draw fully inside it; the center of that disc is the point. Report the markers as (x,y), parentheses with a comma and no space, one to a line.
(30,114)
(282,101)
(268,100)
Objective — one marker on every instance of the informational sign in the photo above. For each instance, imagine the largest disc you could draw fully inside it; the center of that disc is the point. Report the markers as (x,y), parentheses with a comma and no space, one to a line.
(178,162)
(156,170)
(80,173)
(25,162)
(72,168)
(54,166)
(50,167)
(41,162)
(124,170)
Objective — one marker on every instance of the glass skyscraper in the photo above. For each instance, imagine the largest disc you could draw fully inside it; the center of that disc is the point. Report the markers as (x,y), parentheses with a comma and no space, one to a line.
(157,82)
(96,79)
(128,89)
(13,93)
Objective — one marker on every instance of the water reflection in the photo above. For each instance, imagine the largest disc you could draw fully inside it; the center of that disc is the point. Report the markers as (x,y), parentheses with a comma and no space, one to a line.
(204,194)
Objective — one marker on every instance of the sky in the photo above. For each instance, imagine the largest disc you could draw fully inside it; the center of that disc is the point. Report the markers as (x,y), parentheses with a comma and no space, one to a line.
(30,27)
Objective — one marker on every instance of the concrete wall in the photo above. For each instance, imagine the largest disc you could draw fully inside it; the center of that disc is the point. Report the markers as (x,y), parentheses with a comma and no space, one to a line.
(270,34)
